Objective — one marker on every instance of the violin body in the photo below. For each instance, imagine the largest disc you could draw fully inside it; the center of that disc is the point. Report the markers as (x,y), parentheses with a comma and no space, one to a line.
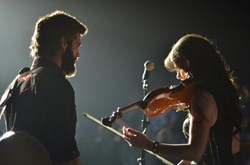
(161,100)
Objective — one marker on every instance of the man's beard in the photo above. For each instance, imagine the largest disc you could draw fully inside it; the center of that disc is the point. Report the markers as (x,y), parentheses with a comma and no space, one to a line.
(68,63)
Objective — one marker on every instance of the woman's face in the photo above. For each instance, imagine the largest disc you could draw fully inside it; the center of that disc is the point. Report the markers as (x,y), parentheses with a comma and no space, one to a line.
(182,75)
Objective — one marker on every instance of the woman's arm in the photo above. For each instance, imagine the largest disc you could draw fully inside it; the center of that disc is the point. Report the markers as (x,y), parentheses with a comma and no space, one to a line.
(203,116)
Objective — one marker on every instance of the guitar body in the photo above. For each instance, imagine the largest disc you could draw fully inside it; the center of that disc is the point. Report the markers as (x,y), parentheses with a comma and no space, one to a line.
(20,148)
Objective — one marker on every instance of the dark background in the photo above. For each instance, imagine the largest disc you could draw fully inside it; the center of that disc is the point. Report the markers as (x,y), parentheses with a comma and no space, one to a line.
(123,34)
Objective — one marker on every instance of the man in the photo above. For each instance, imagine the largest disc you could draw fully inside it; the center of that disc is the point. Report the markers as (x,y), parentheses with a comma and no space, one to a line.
(43,103)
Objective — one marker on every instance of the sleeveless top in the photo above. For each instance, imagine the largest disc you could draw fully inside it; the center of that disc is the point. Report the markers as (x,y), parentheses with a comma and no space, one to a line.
(219,146)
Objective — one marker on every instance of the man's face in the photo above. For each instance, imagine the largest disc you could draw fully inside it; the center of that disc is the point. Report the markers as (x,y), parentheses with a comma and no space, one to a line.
(70,56)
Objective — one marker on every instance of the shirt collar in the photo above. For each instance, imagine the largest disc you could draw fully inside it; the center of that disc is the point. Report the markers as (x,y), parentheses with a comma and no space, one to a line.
(46,63)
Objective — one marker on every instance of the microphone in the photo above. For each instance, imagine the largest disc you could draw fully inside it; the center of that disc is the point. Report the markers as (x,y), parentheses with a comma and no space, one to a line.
(148,66)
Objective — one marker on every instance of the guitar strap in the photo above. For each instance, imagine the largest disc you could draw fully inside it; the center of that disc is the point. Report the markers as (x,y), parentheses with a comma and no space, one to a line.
(7,100)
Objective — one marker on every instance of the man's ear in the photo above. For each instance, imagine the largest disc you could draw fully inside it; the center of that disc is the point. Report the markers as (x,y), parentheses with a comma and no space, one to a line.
(63,43)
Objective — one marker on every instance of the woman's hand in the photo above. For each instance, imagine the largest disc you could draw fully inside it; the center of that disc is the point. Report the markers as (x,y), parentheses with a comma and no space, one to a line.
(136,139)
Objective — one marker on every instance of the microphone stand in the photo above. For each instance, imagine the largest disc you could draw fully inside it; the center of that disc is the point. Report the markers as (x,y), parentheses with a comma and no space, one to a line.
(145,123)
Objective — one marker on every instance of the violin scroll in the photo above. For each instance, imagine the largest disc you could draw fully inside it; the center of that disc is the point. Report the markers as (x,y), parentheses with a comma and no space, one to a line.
(108,121)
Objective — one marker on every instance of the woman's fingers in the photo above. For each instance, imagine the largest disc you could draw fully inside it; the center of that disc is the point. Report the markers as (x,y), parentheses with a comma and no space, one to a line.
(129,132)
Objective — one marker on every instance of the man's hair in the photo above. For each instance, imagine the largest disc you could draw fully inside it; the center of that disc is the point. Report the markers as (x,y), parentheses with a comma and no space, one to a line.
(49,29)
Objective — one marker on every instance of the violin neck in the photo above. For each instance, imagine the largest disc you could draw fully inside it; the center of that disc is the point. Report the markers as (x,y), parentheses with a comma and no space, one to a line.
(136,105)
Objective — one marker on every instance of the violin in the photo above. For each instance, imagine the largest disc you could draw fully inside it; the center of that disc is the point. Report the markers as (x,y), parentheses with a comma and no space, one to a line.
(158,102)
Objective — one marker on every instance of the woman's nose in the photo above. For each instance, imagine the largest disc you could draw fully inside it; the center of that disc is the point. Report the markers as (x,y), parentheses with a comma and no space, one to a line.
(178,75)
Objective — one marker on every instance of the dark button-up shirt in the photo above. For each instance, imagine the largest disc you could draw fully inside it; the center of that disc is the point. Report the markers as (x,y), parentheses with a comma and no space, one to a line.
(45,107)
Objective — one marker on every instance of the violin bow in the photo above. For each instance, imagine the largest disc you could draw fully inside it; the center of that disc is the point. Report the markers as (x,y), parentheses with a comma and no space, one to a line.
(120,134)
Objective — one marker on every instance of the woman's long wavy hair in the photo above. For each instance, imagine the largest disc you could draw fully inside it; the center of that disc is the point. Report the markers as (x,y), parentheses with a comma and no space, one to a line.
(200,57)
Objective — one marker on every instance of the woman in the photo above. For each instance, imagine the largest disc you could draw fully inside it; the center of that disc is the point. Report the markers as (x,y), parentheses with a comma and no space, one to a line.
(214,112)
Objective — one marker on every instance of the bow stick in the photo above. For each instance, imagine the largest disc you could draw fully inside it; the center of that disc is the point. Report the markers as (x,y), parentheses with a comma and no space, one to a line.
(120,134)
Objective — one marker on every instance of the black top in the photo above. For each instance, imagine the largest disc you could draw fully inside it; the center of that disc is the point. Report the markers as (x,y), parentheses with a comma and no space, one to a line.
(219,147)
(45,107)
